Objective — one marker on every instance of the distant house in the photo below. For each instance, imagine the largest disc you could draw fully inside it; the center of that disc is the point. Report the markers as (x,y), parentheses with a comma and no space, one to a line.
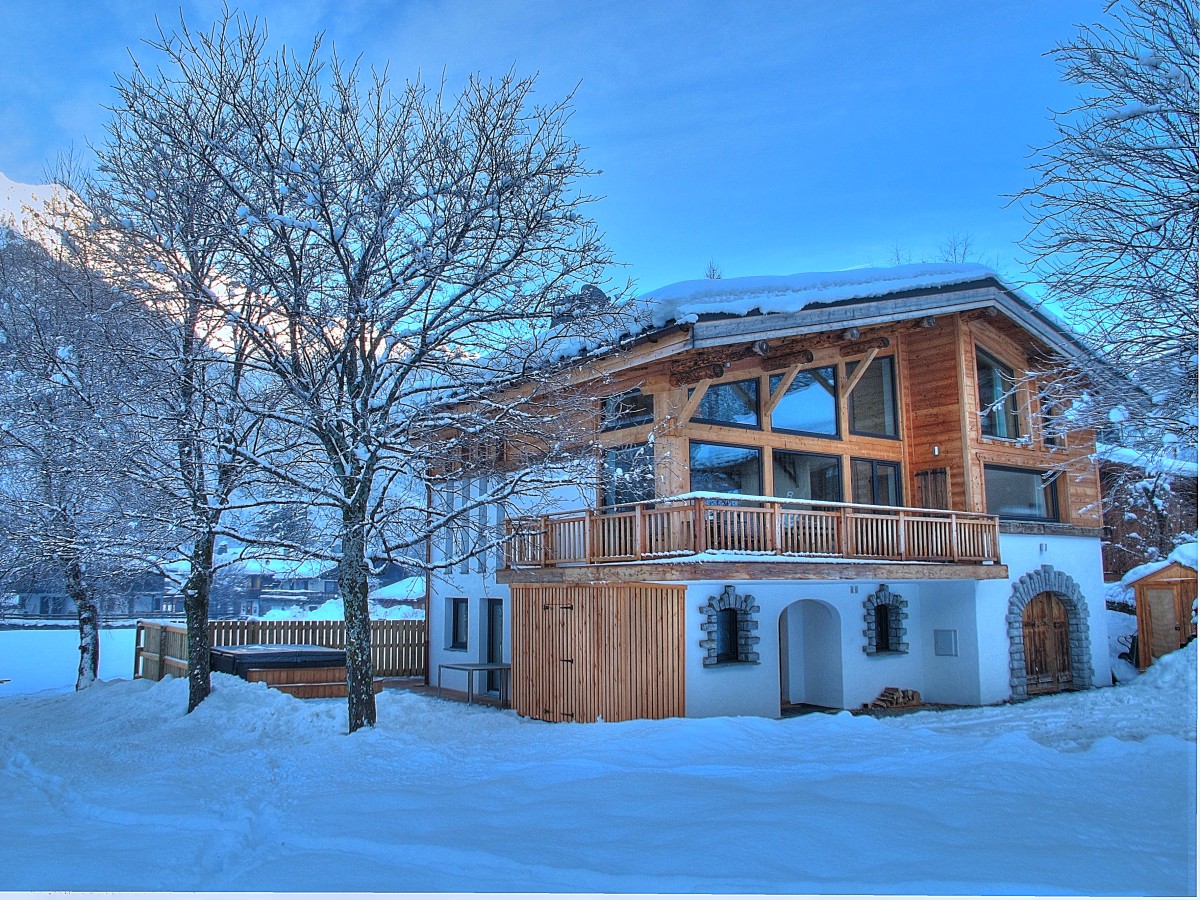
(812,489)
(253,581)
(47,598)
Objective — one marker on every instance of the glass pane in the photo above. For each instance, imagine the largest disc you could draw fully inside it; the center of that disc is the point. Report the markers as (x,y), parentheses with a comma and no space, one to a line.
(997,397)
(810,404)
(733,403)
(875,482)
(873,400)
(1018,494)
(628,475)
(630,408)
(726,469)
(807,476)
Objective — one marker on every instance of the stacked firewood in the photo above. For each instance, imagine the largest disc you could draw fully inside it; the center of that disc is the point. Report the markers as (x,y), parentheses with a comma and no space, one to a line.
(894,698)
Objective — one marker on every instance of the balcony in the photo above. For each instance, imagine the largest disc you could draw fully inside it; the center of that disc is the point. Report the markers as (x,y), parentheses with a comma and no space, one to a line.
(765,528)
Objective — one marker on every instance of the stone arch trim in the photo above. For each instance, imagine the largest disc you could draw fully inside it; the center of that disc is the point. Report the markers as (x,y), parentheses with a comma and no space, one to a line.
(1048,579)
(747,626)
(897,630)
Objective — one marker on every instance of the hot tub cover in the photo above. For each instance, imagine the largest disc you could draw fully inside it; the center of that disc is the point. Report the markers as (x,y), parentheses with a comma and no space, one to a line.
(240,660)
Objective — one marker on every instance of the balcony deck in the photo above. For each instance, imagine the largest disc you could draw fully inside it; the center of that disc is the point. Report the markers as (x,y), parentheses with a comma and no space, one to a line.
(705,528)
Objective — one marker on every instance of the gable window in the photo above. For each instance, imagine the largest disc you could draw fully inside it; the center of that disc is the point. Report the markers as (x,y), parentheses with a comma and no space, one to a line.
(457,609)
(732,403)
(726,469)
(873,400)
(628,409)
(1021,493)
(810,404)
(997,397)
(807,476)
(876,482)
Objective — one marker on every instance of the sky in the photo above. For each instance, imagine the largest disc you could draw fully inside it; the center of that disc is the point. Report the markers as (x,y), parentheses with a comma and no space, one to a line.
(765,137)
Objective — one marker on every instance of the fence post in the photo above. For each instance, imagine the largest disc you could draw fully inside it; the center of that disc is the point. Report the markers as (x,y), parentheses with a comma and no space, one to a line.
(954,549)
(162,651)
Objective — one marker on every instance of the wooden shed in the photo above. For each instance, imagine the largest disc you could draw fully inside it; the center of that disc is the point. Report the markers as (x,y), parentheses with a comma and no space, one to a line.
(1164,601)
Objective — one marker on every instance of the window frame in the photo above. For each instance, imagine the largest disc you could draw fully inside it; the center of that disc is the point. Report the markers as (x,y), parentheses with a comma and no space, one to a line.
(836,434)
(875,464)
(834,457)
(1050,491)
(602,493)
(611,418)
(759,451)
(725,423)
(455,640)
(1013,397)
(894,393)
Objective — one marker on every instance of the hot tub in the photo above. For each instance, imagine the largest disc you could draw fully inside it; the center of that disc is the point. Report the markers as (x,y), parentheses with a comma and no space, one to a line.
(242,660)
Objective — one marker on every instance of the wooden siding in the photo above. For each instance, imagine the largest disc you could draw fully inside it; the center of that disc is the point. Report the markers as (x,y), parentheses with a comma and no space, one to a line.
(583,652)
(397,646)
(1163,601)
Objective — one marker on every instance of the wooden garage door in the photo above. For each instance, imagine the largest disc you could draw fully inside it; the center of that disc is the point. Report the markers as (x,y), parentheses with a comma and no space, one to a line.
(583,652)
(1047,645)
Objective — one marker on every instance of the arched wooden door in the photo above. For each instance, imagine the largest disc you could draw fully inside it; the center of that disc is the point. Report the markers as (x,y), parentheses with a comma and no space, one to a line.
(1047,645)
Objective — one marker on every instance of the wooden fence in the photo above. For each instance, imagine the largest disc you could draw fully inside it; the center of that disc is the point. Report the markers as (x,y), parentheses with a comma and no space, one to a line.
(397,645)
(582,652)
(680,527)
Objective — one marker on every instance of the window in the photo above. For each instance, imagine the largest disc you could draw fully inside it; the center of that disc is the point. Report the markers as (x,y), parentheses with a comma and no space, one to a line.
(726,469)
(627,475)
(628,409)
(1021,493)
(807,476)
(810,404)
(732,403)
(457,609)
(875,481)
(997,397)
(873,400)
(883,628)
(726,635)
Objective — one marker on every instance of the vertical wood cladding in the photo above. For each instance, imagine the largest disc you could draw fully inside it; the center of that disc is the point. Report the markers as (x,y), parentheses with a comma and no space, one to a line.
(611,651)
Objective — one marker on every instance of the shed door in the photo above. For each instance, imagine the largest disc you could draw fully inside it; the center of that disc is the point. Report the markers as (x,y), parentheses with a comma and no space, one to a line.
(1165,635)
(1047,645)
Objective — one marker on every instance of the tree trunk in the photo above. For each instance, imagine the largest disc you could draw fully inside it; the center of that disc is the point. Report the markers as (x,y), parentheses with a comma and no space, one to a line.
(196,593)
(352,585)
(89,624)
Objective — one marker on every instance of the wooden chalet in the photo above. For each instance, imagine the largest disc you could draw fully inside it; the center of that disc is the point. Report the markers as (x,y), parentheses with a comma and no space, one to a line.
(810,489)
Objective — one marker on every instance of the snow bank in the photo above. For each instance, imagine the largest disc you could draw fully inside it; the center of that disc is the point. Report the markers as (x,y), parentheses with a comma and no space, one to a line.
(117,789)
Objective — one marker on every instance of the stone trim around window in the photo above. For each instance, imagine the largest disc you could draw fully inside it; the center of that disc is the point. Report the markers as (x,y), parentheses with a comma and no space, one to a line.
(897,615)
(1048,579)
(747,627)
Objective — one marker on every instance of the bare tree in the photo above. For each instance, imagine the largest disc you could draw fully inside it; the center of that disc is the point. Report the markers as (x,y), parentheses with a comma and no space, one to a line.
(1114,219)
(712,271)
(70,507)
(406,266)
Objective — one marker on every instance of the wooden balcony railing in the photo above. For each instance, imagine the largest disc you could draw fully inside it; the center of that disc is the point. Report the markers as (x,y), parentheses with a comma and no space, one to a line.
(691,524)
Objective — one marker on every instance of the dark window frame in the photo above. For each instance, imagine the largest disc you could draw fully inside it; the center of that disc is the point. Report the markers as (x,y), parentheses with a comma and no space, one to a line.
(605,484)
(836,434)
(614,416)
(459,641)
(990,411)
(1050,490)
(756,449)
(725,423)
(836,458)
(895,398)
(875,464)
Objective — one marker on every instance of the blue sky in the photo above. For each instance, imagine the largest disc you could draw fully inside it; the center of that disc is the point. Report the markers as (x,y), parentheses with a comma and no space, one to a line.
(771,137)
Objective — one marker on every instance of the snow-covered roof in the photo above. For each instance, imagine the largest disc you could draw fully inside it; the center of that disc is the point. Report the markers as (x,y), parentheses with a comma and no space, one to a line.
(1184,554)
(687,301)
(1154,465)
(405,589)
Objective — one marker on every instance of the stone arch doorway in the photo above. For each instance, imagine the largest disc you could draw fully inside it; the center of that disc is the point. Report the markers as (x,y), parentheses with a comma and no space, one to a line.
(1049,641)
(810,655)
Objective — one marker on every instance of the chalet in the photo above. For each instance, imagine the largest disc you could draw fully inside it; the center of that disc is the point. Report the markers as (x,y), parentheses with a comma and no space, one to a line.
(811,488)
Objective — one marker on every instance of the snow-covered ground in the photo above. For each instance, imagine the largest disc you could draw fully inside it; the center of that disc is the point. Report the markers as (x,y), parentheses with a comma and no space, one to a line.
(47,658)
(114,788)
